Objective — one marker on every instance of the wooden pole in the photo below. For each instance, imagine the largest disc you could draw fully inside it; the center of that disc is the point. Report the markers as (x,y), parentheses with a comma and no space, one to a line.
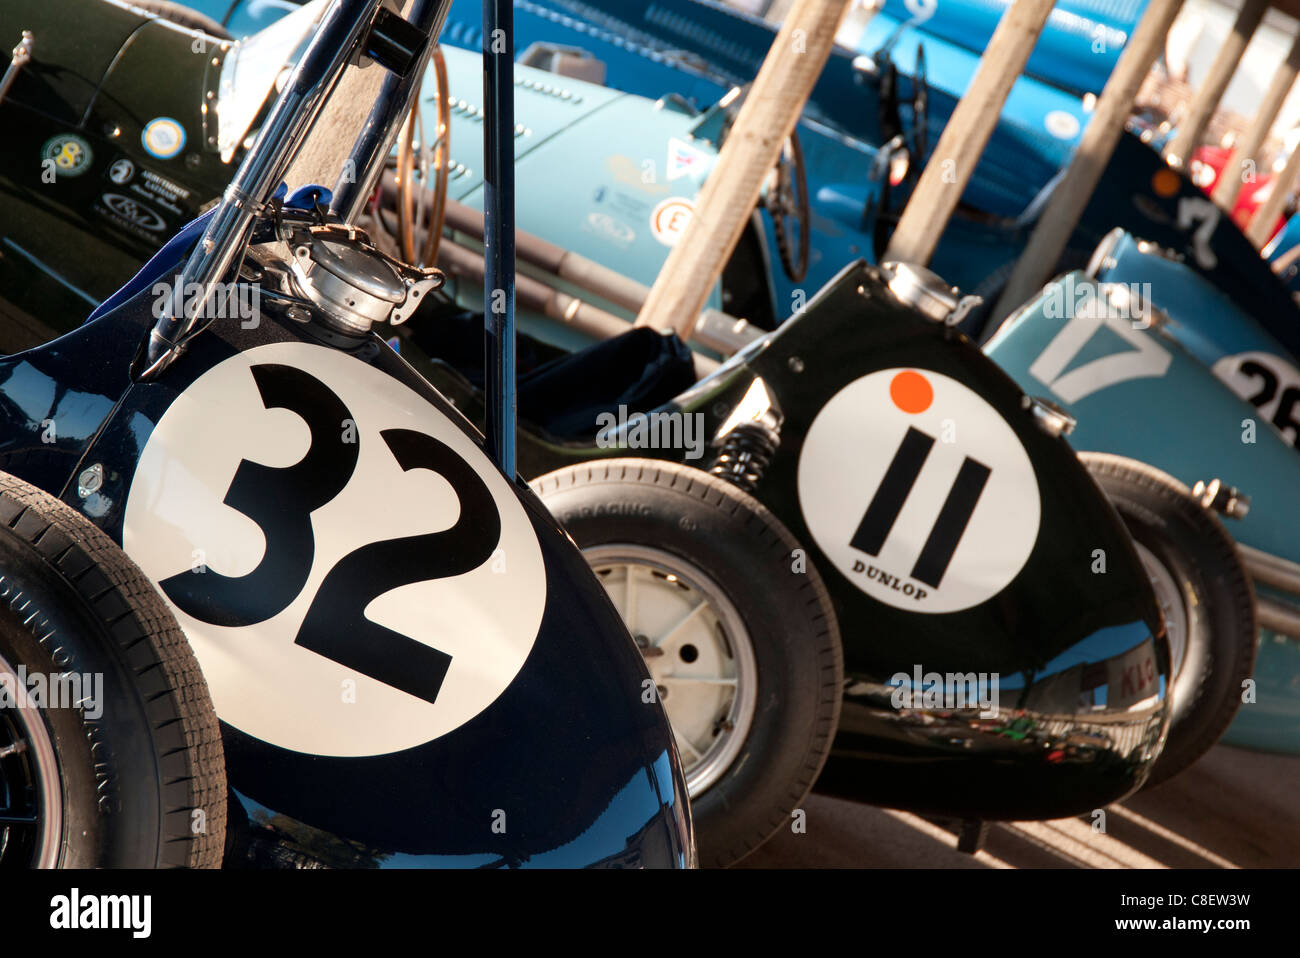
(968,130)
(1071,195)
(1261,224)
(1206,101)
(766,118)
(1246,149)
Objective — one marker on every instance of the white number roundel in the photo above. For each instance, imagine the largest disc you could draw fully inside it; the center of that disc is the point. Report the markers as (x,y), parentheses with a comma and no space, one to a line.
(918,491)
(436,583)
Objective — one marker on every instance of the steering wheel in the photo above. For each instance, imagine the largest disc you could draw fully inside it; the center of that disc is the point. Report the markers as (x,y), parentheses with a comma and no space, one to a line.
(897,146)
(787,199)
(789,208)
(411,213)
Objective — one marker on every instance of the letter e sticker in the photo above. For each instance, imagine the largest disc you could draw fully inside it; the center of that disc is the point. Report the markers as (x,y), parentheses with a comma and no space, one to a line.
(669,219)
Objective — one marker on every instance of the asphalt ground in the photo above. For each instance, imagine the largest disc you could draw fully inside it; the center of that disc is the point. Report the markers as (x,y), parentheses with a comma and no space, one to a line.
(1233,809)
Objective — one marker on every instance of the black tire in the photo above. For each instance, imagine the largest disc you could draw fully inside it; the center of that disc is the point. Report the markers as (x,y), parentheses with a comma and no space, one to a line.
(137,761)
(183,16)
(1217,597)
(686,514)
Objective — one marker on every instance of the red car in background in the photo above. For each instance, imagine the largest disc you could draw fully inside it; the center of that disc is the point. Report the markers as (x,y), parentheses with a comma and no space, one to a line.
(1207,166)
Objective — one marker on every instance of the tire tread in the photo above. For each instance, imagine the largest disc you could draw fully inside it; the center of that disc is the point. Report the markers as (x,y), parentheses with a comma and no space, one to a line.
(145,630)
(761,523)
(1224,563)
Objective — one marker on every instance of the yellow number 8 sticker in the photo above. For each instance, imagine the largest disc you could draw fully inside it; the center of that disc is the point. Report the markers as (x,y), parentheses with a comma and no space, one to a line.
(69,154)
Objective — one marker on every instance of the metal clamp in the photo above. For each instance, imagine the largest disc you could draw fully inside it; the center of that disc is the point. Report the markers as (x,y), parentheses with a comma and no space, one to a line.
(1224,499)
(925,291)
(1050,417)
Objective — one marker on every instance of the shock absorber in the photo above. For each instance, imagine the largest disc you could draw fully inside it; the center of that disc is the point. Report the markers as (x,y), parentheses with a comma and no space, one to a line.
(746,452)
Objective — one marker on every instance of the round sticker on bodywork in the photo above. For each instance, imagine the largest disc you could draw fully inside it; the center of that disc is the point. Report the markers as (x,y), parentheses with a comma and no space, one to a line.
(66,155)
(1062,125)
(354,574)
(918,491)
(669,219)
(163,137)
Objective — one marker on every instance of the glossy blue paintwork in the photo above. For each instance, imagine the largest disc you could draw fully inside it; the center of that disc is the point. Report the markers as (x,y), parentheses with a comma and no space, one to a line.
(243,18)
(614,151)
(1045,118)
(1225,335)
(1055,633)
(1272,722)
(1076,51)
(593,164)
(1200,422)
(1208,323)
(1281,253)
(699,49)
(696,50)
(586,768)
(1183,419)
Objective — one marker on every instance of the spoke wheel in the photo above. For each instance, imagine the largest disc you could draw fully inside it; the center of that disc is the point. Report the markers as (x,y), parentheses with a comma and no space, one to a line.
(696,648)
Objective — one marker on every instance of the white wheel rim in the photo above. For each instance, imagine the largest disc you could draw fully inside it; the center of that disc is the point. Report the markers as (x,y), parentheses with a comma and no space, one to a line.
(1169,596)
(35,744)
(696,648)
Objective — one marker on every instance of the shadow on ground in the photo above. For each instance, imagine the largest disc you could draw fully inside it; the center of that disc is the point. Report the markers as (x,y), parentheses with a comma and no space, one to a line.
(1233,809)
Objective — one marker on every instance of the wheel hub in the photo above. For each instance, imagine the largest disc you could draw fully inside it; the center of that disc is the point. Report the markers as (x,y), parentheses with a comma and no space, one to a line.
(695,647)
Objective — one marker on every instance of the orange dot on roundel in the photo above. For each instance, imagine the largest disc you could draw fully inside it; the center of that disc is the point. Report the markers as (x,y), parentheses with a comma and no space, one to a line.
(911,392)
(1165,183)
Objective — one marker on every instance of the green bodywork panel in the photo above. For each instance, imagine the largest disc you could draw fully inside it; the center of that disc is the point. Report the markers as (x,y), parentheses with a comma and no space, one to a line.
(70,236)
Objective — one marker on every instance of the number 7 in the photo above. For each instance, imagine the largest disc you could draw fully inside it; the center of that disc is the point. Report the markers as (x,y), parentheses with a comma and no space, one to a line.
(1147,359)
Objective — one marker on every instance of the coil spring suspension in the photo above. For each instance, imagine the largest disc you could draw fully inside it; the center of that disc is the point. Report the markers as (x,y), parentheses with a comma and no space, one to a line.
(746,452)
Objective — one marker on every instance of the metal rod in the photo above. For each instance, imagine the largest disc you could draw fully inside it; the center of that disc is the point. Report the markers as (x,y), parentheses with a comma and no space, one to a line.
(281,137)
(538,296)
(714,329)
(21,57)
(1278,616)
(499,230)
(1271,570)
(364,165)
